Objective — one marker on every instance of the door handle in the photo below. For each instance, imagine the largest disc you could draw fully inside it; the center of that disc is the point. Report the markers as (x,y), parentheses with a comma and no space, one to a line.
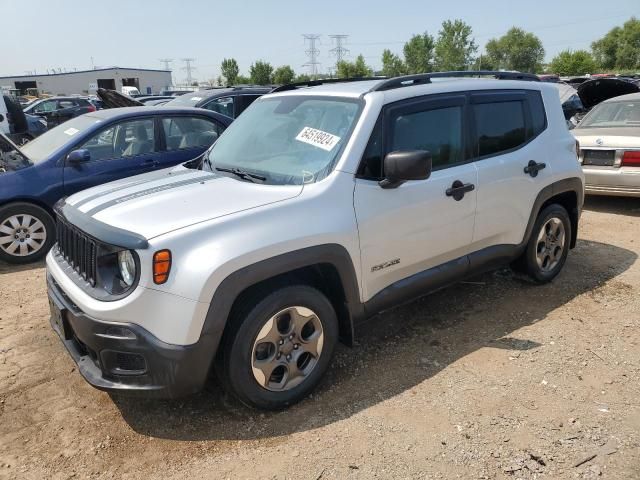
(458,189)
(533,168)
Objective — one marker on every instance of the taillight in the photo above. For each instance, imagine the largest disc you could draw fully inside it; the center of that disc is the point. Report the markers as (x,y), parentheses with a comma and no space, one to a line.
(631,158)
(91,108)
(161,266)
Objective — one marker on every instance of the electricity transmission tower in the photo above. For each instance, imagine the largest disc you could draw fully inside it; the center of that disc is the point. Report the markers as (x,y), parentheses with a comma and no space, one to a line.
(189,69)
(167,62)
(339,50)
(312,52)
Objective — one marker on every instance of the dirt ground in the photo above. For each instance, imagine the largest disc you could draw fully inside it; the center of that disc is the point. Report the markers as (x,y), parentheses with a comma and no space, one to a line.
(491,378)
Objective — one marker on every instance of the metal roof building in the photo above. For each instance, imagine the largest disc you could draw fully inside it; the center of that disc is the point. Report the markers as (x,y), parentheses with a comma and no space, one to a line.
(88,81)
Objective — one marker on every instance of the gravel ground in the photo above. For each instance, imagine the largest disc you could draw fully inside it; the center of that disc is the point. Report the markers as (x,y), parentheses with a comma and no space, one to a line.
(491,378)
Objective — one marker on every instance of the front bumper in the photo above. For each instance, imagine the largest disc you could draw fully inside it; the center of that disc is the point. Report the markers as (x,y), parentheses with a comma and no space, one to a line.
(615,181)
(123,357)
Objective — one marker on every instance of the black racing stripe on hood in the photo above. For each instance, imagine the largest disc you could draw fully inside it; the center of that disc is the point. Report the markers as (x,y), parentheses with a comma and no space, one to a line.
(132,184)
(151,191)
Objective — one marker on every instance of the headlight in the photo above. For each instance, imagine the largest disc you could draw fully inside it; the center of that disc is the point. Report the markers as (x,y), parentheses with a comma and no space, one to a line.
(127,266)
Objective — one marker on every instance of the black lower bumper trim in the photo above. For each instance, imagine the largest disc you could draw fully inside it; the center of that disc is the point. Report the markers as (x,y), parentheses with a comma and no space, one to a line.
(126,358)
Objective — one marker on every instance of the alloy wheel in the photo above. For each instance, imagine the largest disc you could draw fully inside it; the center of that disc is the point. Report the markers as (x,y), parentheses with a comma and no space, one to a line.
(550,245)
(287,348)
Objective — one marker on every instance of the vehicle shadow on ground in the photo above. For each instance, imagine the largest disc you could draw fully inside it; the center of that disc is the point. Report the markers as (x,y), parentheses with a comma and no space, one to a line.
(628,206)
(395,351)
(8,268)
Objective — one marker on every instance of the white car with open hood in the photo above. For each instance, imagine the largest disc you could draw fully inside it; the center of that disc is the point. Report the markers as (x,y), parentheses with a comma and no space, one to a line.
(320,206)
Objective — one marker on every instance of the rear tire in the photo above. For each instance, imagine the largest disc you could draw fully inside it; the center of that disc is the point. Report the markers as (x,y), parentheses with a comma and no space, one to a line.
(279,347)
(548,245)
(27,232)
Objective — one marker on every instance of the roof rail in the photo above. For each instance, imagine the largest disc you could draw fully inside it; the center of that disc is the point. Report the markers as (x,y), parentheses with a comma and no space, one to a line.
(321,81)
(422,78)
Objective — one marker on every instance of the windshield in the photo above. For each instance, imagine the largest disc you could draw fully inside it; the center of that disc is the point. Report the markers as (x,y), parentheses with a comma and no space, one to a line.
(41,147)
(613,114)
(287,140)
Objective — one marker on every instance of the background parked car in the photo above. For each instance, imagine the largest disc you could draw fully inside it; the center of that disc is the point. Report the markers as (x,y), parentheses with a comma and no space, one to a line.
(90,150)
(227,101)
(154,98)
(57,110)
(609,138)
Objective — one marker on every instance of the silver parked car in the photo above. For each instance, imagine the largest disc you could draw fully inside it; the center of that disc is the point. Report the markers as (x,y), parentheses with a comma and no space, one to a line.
(609,138)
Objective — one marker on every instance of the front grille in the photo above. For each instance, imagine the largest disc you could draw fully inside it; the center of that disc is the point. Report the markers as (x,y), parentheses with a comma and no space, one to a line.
(77,249)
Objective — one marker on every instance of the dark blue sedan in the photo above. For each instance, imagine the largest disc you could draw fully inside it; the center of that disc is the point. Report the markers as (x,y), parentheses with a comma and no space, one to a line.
(89,150)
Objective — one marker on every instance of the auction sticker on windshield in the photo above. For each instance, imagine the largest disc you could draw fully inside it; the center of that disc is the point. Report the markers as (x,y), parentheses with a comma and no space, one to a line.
(318,138)
(71,131)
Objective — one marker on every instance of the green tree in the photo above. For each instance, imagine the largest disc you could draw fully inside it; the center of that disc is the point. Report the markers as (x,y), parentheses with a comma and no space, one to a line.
(455,48)
(283,75)
(261,73)
(357,69)
(568,62)
(230,70)
(620,47)
(418,54)
(515,50)
(392,64)
(243,80)
(303,77)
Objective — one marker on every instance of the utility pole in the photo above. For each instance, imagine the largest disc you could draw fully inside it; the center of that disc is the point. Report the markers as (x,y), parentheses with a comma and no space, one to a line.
(339,50)
(312,52)
(189,68)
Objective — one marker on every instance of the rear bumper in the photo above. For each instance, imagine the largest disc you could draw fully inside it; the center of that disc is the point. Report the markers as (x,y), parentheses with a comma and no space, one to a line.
(615,181)
(126,358)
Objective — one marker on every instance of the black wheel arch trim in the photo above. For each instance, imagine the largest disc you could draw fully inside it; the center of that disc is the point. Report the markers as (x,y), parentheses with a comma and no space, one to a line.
(567,185)
(232,286)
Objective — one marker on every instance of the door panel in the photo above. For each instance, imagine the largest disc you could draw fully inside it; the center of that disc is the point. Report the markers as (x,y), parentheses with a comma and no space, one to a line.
(510,135)
(418,225)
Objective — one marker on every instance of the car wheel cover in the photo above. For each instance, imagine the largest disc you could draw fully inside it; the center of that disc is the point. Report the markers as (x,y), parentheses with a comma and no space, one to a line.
(550,245)
(22,235)
(287,349)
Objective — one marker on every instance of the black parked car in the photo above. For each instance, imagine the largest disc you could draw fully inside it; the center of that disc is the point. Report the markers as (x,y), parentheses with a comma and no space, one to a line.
(230,101)
(57,110)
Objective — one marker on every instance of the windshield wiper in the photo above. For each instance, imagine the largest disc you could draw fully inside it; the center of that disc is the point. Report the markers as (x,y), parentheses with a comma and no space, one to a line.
(242,174)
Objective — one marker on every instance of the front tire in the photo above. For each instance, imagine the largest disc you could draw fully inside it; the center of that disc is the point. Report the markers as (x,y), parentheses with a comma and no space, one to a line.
(27,232)
(280,347)
(548,245)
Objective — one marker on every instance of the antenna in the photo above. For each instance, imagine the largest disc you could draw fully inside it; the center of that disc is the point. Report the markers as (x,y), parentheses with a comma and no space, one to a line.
(339,50)
(312,53)
(189,68)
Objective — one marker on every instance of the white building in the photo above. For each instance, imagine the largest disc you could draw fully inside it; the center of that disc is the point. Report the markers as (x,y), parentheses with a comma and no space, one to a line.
(88,81)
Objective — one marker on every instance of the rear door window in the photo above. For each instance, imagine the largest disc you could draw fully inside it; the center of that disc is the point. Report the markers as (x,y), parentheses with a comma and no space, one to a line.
(190,132)
(500,126)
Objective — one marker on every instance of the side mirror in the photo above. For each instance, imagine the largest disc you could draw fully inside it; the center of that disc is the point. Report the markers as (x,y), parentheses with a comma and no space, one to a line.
(400,167)
(79,156)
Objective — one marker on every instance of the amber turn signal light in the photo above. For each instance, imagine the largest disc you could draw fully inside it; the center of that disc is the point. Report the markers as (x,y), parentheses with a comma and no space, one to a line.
(161,266)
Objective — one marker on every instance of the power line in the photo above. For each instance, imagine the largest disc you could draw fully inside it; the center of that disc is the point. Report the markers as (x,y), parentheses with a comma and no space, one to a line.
(189,68)
(339,50)
(312,52)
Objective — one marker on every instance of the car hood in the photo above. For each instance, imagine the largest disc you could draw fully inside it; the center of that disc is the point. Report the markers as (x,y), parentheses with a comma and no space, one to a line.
(113,99)
(160,202)
(598,90)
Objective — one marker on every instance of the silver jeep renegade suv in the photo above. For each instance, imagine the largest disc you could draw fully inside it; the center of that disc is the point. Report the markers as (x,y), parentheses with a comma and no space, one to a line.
(320,206)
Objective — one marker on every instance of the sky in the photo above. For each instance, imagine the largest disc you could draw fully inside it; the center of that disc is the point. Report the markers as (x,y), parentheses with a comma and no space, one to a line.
(71,34)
